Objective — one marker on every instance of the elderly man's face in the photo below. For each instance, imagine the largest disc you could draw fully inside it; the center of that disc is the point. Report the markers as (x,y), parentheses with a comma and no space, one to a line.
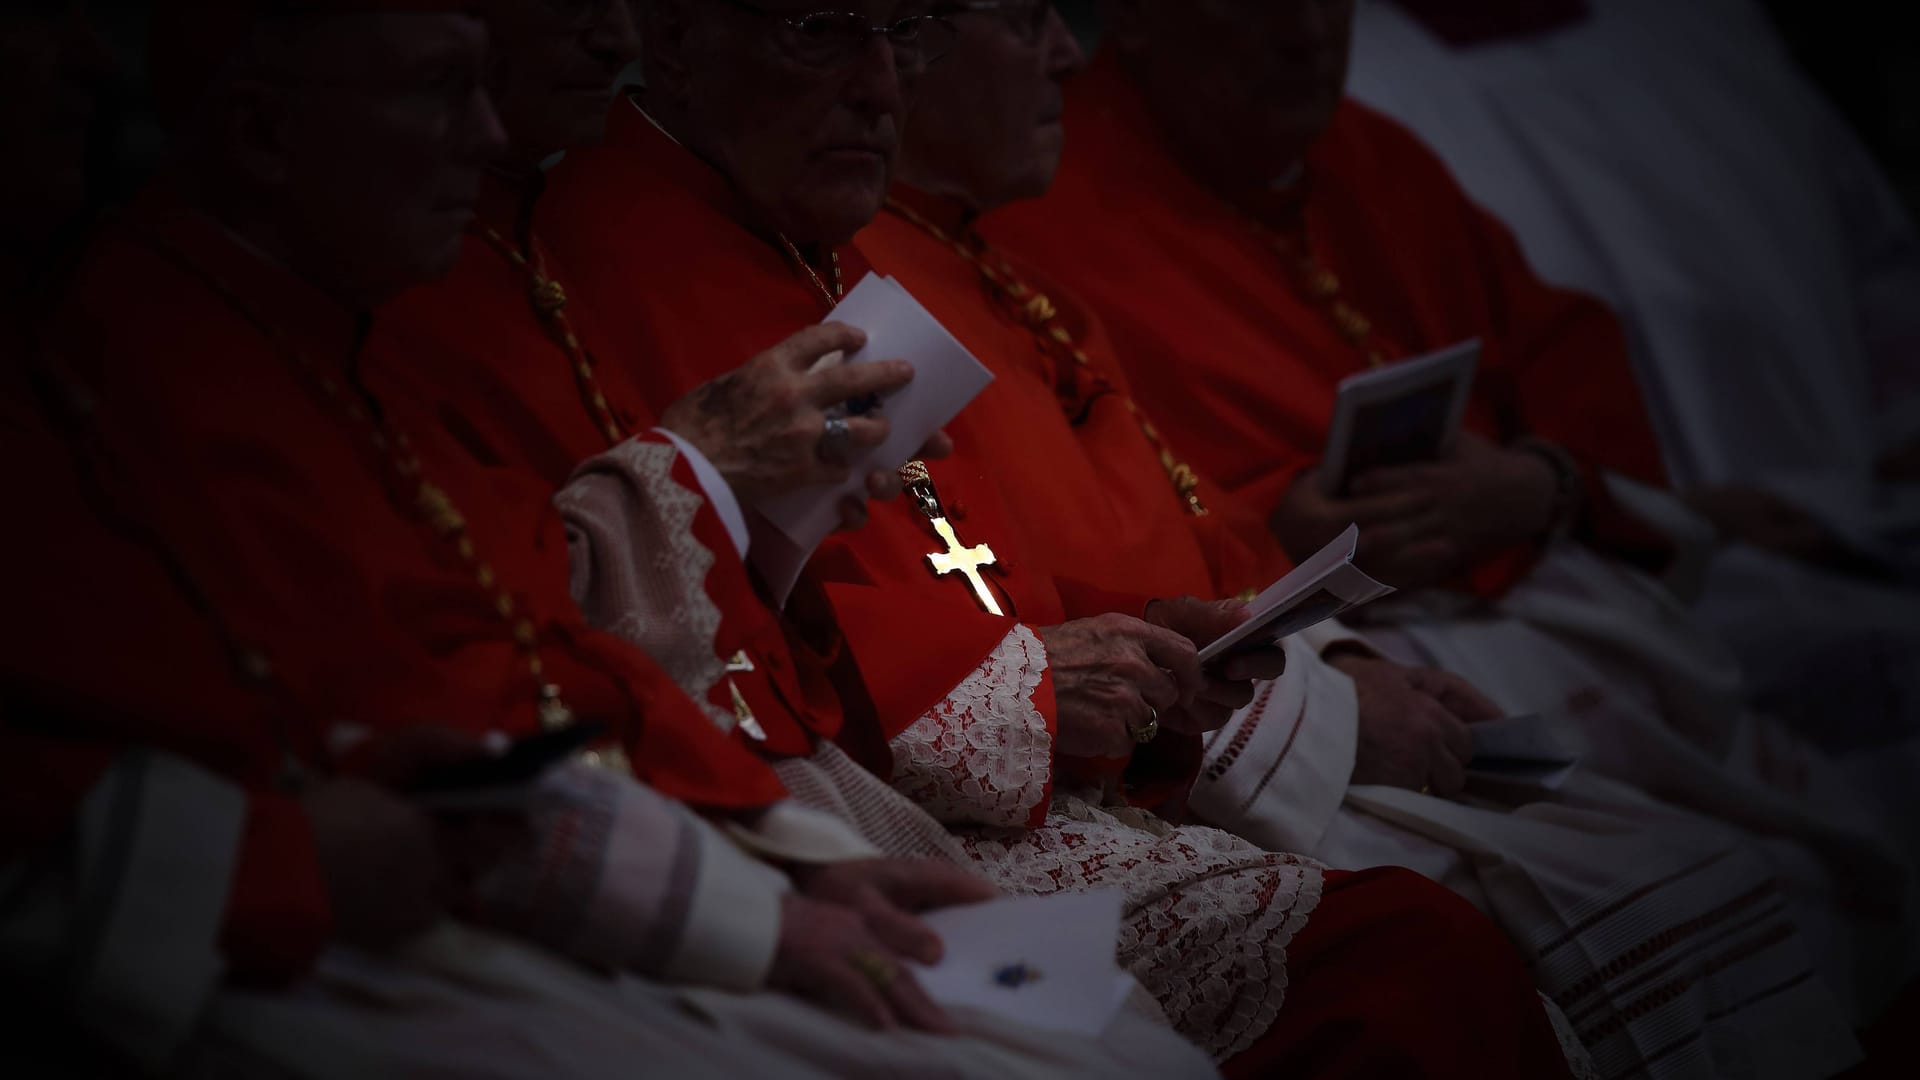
(986,125)
(552,69)
(1262,77)
(809,141)
(53,74)
(382,142)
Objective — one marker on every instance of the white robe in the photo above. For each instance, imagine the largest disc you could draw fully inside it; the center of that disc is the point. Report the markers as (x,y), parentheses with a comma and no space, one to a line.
(1691,917)
(121,926)
(1768,279)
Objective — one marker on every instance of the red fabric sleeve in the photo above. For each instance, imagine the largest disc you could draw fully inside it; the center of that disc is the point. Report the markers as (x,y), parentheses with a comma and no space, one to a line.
(278,919)
(43,781)
(1084,601)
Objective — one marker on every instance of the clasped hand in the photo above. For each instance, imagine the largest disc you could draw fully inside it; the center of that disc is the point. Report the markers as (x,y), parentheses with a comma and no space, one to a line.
(1423,524)
(1413,724)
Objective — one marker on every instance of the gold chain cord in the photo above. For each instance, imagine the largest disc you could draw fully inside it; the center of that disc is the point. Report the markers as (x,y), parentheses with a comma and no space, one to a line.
(1043,321)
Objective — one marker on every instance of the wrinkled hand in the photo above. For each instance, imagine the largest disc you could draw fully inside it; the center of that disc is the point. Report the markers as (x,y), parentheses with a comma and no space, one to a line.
(761,424)
(380,860)
(1422,524)
(1229,681)
(1112,673)
(846,932)
(1413,724)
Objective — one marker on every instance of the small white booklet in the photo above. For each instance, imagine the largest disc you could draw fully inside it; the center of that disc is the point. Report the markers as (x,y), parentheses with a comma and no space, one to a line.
(1043,961)
(1398,414)
(946,379)
(1313,592)
(1528,749)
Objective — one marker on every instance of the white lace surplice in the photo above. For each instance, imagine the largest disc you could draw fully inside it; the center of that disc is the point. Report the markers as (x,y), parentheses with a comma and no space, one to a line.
(1209,916)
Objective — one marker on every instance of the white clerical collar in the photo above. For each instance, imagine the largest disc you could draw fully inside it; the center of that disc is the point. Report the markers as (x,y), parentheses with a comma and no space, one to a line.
(649,118)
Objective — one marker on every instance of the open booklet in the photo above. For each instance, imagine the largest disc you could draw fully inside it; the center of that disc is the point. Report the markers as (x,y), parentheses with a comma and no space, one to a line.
(946,378)
(1042,961)
(1398,414)
(1313,592)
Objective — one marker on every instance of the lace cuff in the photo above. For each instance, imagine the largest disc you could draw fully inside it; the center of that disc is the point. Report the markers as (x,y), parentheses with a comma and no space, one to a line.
(638,568)
(984,756)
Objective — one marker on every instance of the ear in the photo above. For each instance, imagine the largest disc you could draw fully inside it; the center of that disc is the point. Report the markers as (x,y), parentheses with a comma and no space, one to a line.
(665,26)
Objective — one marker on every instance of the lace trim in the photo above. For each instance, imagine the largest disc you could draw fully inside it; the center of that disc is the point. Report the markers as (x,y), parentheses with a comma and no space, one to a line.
(1579,1062)
(657,573)
(983,756)
(1209,916)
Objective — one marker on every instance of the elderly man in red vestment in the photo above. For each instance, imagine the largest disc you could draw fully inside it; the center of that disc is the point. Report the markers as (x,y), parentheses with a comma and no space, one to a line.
(1060,399)
(763,142)
(293,593)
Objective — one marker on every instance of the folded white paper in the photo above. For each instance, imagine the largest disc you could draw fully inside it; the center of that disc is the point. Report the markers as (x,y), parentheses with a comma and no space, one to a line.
(1043,961)
(946,378)
(1398,414)
(1528,749)
(1315,591)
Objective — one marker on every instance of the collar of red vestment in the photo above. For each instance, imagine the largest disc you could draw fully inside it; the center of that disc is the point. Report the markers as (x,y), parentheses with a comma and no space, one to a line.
(1478,22)
(944,212)
(507,203)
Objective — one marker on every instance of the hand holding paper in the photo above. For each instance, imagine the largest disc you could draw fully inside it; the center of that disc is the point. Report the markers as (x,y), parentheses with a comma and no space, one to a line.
(1317,590)
(1043,961)
(946,378)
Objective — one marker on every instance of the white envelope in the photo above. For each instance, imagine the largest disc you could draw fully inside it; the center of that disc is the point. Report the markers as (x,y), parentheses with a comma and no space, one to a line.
(1043,961)
(946,378)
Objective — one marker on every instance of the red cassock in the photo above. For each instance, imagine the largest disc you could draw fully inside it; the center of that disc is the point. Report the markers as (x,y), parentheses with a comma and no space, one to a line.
(1099,493)
(652,233)
(501,358)
(247,567)
(1237,322)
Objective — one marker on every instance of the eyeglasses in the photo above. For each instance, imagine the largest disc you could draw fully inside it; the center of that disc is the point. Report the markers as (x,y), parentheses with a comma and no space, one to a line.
(831,39)
(1028,18)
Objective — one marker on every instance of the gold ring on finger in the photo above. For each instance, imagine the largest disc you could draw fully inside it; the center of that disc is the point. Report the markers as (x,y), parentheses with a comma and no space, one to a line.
(1150,730)
(875,967)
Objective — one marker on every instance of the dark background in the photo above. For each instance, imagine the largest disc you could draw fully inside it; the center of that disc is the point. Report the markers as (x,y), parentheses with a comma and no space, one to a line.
(1865,56)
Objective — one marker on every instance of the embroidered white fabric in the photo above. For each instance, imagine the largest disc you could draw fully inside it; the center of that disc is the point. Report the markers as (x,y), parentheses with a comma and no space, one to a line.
(638,570)
(984,755)
(1209,916)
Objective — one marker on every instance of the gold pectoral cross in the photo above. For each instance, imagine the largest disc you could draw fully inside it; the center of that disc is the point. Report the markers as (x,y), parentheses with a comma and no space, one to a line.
(742,712)
(960,559)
